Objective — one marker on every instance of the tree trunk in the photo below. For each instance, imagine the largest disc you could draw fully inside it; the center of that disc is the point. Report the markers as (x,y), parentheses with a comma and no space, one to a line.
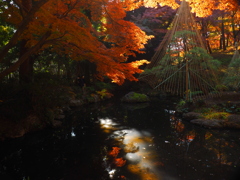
(220,43)
(205,35)
(25,56)
(233,27)
(26,65)
(228,36)
(68,71)
(223,43)
(84,68)
(59,66)
(26,68)
(208,47)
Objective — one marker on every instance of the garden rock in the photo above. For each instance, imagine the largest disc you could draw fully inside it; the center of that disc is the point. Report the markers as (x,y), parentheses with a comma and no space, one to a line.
(209,123)
(133,97)
(233,121)
(191,115)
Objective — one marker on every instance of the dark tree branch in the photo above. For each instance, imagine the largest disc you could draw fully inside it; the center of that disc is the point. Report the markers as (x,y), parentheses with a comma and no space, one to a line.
(22,27)
(23,9)
(33,49)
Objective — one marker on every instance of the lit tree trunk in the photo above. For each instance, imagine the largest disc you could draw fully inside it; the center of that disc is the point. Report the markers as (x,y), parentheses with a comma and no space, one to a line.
(228,36)
(205,35)
(209,47)
(233,27)
(222,39)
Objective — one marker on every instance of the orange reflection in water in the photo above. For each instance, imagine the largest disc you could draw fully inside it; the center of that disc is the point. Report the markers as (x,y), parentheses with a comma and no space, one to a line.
(141,155)
(114,152)
(190,136)
(119,162)
(208,135)
(144,173)
(176,123)
(139,150)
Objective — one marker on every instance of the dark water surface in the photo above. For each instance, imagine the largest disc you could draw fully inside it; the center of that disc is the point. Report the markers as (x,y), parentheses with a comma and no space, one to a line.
(120,141)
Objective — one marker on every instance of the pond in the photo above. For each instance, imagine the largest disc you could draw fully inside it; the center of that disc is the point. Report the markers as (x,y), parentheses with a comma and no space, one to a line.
(113,140)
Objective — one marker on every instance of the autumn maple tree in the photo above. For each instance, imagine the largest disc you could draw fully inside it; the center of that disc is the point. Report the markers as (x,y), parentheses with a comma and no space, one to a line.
(95,31)
(67,27)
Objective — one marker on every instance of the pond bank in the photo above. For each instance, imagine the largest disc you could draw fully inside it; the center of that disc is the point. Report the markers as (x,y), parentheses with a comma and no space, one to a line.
(18,127)
(229,101)
(218,112)
(232,121)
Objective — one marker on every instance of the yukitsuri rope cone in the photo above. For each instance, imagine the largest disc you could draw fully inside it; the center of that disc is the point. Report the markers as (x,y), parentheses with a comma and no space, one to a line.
(181,64)
(232,78)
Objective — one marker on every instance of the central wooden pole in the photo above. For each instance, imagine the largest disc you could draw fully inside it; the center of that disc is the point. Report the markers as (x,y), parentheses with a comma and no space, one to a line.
(187,81)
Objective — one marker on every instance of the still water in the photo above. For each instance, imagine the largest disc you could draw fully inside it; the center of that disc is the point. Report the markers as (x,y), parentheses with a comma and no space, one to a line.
(121,141)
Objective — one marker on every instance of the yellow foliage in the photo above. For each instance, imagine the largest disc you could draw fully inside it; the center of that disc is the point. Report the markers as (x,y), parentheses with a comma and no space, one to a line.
(104,93)
(216,115)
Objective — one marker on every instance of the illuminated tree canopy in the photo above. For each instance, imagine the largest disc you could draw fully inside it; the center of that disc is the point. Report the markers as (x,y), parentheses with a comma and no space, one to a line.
(95,31)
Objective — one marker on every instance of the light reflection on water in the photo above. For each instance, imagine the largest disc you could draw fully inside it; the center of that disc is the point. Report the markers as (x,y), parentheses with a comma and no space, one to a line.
(73,133)
(150,143)
(170,149)
(138,148)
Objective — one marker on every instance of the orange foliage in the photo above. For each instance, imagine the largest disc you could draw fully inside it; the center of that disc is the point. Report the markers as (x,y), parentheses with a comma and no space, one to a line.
(227,5)
(72,33)
(171,3)
(204,8)
(92,30)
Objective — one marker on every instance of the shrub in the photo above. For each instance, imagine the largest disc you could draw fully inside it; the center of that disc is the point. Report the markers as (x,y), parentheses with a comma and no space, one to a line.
(216,115)
(104,94)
